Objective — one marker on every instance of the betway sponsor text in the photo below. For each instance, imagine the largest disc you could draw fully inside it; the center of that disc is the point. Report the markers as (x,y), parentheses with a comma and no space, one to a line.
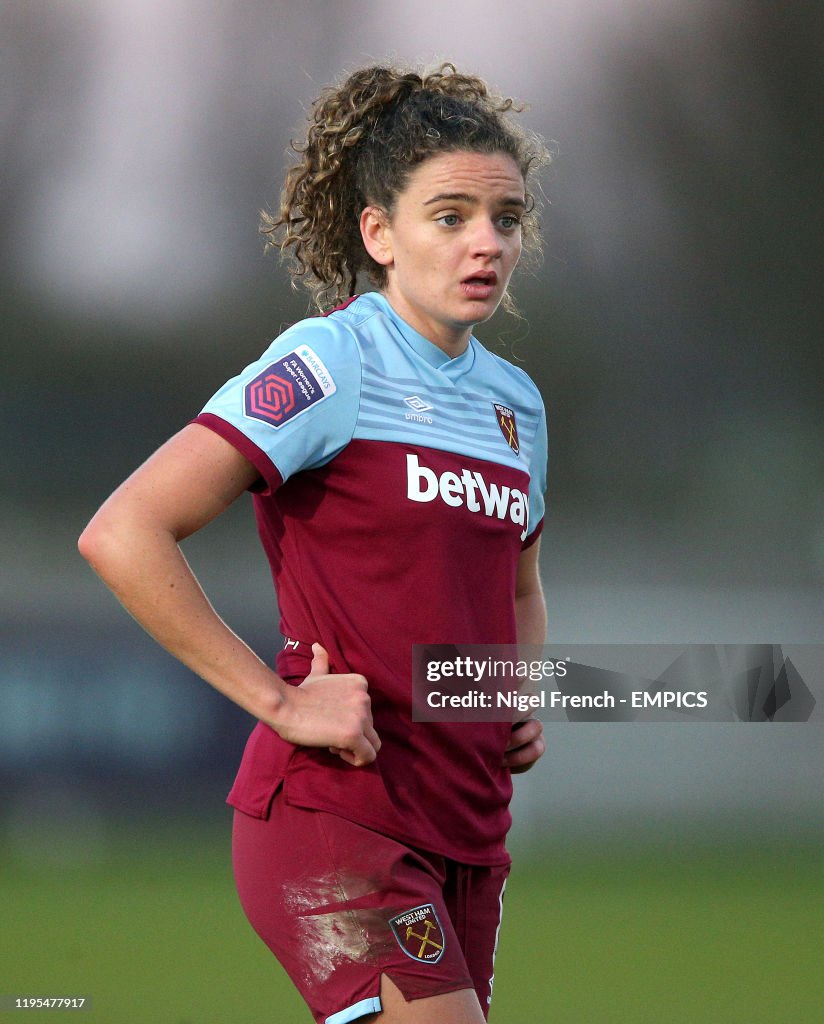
(467,488)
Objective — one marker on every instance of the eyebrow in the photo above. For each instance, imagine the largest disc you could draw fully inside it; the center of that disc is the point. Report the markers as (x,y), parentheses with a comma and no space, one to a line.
(465,197)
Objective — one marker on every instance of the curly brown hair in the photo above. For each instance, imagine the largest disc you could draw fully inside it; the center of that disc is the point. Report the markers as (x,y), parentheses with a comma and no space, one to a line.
(365,137)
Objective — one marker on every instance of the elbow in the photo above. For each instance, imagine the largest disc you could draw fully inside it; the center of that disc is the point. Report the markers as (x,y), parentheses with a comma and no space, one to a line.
(99,542)
(90,542)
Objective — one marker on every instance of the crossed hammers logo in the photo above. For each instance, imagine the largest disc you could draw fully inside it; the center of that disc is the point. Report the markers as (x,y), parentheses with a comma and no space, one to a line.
(509,426)
(424,939)
(506,421)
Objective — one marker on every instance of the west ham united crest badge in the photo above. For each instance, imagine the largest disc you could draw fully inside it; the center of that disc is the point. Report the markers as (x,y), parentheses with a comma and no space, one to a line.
(419,934)
(506,421)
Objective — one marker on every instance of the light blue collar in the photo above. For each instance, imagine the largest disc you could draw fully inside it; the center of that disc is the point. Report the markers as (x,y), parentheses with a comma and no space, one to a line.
(425,348)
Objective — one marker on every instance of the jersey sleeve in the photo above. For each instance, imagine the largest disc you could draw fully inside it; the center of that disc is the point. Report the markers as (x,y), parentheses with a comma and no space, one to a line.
(537,481)
(296,406)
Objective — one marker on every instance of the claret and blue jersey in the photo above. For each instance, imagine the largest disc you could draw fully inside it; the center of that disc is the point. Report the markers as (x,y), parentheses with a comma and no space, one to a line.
(398,488)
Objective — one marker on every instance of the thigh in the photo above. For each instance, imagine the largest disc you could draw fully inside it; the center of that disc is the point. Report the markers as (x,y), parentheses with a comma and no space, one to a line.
(341,907)
(474,898)
(459,1007)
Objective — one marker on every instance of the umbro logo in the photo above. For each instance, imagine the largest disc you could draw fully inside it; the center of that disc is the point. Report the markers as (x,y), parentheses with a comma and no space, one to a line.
(419,409)
(417,404)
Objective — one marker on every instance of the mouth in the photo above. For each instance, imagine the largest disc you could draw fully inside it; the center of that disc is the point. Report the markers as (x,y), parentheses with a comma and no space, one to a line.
(479,285)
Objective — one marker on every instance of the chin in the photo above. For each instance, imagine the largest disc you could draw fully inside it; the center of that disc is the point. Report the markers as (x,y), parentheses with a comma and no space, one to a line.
(483,311)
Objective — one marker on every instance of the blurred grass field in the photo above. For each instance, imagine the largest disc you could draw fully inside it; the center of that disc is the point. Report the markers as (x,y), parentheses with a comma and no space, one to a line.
(152,932)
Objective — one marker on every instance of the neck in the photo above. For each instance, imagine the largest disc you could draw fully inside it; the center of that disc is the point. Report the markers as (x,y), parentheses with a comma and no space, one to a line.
(453,340)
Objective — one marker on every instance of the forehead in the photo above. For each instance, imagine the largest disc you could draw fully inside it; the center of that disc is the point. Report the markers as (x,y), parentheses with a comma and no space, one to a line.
(466,172)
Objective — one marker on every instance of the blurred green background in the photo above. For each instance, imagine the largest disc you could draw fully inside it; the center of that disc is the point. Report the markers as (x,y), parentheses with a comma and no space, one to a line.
(692,934)
(664,872)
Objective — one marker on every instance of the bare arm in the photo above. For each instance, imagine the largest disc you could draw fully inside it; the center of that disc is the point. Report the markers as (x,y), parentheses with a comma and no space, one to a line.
(526,744)
(133,544)
(530,608)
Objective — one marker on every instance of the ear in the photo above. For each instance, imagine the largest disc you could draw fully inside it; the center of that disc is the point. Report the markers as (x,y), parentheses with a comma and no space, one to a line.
(376,234)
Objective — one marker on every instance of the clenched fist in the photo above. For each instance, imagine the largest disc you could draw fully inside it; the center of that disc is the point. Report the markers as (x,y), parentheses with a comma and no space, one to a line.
(331,711)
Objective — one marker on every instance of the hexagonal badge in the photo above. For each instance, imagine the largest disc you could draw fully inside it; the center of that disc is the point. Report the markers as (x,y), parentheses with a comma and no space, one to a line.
(288,387)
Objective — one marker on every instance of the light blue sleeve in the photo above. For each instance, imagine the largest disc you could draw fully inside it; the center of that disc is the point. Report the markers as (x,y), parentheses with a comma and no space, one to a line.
(537,476)
(296,406)
(513,385)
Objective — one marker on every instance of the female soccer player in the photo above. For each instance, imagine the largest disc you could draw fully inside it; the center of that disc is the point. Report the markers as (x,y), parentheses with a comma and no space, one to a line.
(397,469)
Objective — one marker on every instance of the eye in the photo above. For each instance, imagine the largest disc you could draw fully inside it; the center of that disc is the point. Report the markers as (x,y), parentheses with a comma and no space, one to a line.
(449,220)
(509,221)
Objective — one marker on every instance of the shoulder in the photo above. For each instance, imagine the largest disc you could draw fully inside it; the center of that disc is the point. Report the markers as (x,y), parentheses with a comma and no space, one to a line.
(337,333)
(351,316)
(326,350)
(329,333)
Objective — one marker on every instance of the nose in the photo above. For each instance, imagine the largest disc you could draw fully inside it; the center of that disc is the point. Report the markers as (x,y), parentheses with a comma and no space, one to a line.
(486,241)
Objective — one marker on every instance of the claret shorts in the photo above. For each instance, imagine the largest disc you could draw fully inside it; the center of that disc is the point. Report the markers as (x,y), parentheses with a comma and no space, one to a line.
(339,905)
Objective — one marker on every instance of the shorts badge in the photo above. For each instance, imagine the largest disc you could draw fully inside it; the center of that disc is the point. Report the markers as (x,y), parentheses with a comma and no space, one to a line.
(506,421)
(419,934)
